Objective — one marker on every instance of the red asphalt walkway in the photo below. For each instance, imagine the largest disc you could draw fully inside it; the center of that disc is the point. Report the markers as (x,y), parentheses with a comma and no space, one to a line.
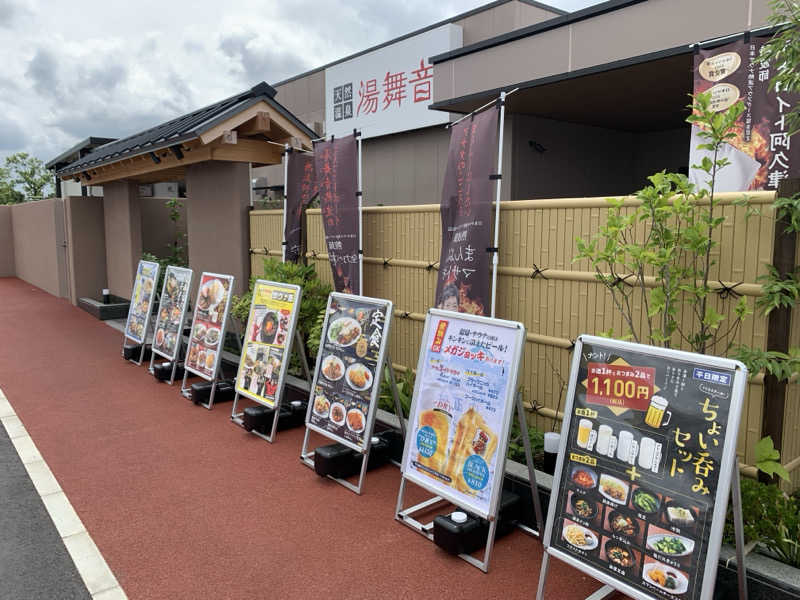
(184,504)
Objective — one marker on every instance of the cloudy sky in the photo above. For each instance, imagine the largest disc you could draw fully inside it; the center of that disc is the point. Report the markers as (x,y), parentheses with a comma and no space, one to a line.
(110,68)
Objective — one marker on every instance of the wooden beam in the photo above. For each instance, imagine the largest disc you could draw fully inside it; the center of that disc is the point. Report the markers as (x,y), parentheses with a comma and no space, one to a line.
(258,124)
(279,126)
(247,150)
(234,122)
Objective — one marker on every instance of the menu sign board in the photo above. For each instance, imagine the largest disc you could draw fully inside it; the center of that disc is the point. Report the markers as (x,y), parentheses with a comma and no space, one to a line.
(141,301)
(268,341)
(641,486)
(462,408)
(208,325)
(348,372)
(171,311)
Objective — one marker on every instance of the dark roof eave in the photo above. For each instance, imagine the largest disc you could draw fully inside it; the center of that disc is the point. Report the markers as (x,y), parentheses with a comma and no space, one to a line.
(89,141)
(78,167)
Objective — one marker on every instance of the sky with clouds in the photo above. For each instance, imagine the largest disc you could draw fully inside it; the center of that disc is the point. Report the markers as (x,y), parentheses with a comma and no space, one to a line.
(110,68)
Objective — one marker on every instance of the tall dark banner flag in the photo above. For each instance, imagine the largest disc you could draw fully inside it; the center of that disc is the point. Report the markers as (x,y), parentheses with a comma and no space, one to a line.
(761,154)
(336,166)
(463,283)
(300,189)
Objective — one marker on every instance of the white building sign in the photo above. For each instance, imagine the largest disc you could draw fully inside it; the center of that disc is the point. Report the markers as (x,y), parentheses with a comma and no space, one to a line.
(389,89)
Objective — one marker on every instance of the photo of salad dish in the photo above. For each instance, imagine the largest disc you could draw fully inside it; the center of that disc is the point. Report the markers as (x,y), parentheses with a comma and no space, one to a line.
(344,331)
(670,544)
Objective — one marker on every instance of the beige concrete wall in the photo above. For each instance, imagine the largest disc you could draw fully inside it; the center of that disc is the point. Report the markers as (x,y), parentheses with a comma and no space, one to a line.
(86,241)
(158,232)
(628,32)
(123,233)
(501,19)
(218,225)
(6,243)
(36,257)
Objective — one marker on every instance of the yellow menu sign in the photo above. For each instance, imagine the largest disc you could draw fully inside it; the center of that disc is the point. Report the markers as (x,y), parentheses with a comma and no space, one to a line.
(268,340)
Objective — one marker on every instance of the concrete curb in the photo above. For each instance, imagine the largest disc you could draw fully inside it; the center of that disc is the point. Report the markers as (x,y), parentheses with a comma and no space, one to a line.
(92,567)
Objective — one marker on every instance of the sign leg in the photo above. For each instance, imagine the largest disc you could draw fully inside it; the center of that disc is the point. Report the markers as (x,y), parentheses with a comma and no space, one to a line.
(738,524)
(185,392)
(301,350)
(543,576)
(397,406)
(537,503)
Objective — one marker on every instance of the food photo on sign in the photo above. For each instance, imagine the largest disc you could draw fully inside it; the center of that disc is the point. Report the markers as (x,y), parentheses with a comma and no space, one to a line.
(171,310)
(641,469)
(349,356)
(266,339)
(208,325)
(141,300)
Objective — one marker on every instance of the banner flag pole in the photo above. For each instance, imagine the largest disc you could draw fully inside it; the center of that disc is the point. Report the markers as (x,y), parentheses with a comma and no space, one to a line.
(285,198)
(498,185)
(360,221)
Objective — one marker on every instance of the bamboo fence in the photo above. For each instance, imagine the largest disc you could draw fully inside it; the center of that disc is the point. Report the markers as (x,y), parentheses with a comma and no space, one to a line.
(540,285)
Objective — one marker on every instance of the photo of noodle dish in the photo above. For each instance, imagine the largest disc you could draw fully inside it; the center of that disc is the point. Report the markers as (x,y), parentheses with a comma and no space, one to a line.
(344,331)
(578,536)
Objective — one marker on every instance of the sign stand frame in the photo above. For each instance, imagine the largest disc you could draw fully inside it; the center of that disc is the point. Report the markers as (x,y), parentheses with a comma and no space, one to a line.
(146,322)
(426,529)
(187,392)
(383,360)
(237,417)
(729,480)
(738,524)
(307,457)
(181,325)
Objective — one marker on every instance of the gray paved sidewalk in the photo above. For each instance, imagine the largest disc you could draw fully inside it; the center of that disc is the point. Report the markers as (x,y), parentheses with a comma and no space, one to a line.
(34,563)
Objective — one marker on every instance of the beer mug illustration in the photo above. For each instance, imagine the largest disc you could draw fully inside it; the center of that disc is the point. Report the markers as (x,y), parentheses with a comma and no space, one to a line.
(627,448)
(604,435)
(584,431)
(656,412)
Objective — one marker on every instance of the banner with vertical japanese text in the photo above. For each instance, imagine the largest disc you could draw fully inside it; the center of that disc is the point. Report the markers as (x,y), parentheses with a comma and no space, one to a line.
(336,163)
(760,154)
(463,283)
(300,189)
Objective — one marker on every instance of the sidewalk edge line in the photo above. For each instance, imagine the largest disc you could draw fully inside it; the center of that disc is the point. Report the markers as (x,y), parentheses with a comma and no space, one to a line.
(89,562)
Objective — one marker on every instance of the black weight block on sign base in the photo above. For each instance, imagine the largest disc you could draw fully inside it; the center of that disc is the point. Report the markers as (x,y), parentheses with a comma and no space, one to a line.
(201,392)
(162,371)
(259,418)
(131,352)
(336,460)
(467,537)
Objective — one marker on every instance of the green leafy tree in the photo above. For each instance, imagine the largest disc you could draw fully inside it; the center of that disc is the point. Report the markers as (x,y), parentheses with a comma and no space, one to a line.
(28,174)
(9,195)
(658,252)
(782,52)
